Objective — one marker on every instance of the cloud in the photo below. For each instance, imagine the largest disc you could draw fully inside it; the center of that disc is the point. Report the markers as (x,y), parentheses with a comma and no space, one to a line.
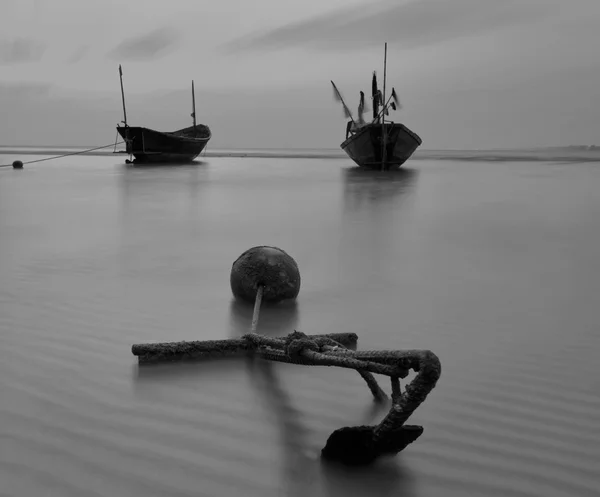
(26,90)
(78,54)
(146,47)
(413,23)
(20,50)
(553,108)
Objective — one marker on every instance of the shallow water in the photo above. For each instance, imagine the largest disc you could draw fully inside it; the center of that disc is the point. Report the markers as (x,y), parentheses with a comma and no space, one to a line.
(493,266)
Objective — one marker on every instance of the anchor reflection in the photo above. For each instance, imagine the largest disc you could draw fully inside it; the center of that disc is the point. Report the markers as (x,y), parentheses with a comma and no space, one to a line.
(304,470)
(274,319)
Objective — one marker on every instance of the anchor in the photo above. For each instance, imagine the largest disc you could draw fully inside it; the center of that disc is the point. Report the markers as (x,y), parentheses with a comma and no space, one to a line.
(270,274)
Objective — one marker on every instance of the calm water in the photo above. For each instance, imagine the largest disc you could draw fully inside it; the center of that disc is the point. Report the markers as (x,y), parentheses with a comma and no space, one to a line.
(492,265)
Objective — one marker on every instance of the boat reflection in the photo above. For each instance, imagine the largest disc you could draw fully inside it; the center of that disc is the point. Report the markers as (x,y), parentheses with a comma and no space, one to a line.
(375,225)
(377,189)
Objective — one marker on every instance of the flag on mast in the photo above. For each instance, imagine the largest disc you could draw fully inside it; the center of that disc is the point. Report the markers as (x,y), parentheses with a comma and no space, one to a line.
(338,96)
(395,97)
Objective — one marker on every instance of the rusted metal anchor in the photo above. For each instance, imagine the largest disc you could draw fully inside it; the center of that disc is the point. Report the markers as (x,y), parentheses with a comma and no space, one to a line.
(267,270)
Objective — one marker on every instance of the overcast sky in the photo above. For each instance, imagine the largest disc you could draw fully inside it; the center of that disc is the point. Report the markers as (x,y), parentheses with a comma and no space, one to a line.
(469,73)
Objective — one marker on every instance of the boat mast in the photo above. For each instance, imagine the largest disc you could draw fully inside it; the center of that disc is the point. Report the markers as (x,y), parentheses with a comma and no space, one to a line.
(383,132)
(193,105)
(123,95)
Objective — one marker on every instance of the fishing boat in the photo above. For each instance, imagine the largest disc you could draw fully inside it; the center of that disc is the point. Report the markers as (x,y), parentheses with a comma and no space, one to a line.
(150,146)
(380,144)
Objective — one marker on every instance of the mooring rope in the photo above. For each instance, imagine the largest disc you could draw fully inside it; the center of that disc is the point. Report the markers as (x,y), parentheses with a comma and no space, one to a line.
(66,155)
(255,314)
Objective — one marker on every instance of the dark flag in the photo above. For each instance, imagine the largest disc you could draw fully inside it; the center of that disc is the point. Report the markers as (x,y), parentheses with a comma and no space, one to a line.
(361,107)
(375,95)
(338,96)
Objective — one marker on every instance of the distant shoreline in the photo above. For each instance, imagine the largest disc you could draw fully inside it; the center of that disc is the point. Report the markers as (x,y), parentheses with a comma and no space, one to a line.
(547,154)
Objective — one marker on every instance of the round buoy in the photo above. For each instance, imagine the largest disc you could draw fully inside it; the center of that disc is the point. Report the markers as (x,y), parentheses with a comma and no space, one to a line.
(17,164)
(269,267)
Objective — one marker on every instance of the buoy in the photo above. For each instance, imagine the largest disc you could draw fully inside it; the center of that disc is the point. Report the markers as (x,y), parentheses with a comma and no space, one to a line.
(269,268)
(17,164)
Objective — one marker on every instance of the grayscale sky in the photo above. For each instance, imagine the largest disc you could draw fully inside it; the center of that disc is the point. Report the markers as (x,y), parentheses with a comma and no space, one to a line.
(469,73)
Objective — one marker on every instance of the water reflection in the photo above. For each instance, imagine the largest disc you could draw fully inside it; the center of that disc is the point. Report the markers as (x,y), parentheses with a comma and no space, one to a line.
(150,374)
(377,210)
(369,189)
(161,206)
(148,182)
(162,165)
(275,319)
(384,479)
(298,466)
(302,466)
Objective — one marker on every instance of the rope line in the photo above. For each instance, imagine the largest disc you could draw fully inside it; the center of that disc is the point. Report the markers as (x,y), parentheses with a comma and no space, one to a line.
(67,155)
(257,302)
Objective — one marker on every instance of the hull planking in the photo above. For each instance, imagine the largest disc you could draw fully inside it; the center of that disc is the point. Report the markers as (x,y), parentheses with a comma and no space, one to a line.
(150,146)
(365,148)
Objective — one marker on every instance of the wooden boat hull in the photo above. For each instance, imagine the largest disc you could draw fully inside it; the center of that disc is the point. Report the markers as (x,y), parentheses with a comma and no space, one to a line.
(365,146)
(150,146)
